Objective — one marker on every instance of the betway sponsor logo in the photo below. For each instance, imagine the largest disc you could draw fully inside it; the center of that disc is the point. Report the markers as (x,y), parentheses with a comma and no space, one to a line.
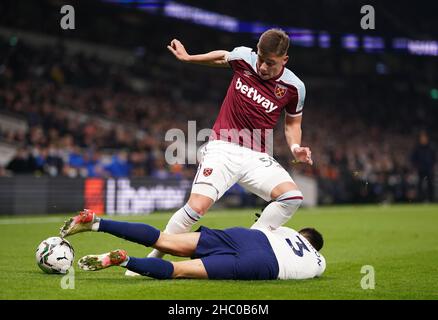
(253,94)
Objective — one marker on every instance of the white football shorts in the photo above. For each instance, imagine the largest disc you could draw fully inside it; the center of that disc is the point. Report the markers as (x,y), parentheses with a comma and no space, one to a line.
(224,164)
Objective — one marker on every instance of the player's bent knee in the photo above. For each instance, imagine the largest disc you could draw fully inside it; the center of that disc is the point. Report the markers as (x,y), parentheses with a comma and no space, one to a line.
(200,203)
(198,208)
(282,188)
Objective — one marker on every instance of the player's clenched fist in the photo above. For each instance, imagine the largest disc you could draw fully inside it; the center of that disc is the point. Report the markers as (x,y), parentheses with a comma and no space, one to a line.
(303,154)
(178,50)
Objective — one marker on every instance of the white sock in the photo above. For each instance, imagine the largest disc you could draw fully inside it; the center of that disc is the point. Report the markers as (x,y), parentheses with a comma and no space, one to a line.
(181,222)
(124,263)
(95,225)
(156,254)
(280,211)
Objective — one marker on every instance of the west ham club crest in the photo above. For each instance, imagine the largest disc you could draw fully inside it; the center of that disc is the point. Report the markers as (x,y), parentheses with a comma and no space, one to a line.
(280,91)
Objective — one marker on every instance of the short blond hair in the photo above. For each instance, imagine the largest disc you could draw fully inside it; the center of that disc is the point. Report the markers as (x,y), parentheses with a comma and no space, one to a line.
(273,41)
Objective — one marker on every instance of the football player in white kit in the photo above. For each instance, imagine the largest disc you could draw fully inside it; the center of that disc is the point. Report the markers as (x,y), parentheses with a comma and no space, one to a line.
(238,150)
(235,253)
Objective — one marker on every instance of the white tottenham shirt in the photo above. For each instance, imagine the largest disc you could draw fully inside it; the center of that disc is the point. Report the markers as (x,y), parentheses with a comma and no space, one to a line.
(296,257)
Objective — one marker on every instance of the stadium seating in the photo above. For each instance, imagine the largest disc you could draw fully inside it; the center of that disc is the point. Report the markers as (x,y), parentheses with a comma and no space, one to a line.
(90,115)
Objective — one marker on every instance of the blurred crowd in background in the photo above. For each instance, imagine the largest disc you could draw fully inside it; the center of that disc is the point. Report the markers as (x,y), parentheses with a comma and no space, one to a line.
(369,120)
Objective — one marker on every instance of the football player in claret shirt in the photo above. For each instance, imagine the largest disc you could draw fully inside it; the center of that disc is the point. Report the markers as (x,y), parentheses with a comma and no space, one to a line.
(238,151)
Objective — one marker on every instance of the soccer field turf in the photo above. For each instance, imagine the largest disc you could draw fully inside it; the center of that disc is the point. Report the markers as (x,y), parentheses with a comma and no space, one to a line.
(400,242)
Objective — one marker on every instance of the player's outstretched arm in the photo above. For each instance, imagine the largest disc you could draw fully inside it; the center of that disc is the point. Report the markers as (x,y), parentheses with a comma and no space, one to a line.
(217,58)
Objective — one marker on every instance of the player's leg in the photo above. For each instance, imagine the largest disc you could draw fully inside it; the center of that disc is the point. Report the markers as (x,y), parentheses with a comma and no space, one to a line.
(215,175)
(287,199)
(268,179)
(183,220)
(87,220)
(151,267)
(216,258)
(163,269)
(183,245)
(189,269)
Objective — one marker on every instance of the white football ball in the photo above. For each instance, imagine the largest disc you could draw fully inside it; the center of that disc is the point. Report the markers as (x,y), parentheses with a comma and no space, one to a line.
(55,255)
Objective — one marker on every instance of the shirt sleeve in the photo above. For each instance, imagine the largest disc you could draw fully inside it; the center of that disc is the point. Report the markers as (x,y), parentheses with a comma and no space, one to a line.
(237,54)
(295,107)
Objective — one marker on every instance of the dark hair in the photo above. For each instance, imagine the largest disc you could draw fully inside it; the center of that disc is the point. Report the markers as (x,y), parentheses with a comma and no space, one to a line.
(274,41)
(313,236)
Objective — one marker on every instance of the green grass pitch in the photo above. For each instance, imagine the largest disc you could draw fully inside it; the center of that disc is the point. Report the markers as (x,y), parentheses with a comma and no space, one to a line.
(400,242)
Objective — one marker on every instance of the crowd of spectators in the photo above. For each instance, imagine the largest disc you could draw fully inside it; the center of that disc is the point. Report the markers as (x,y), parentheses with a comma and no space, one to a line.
(85,118)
